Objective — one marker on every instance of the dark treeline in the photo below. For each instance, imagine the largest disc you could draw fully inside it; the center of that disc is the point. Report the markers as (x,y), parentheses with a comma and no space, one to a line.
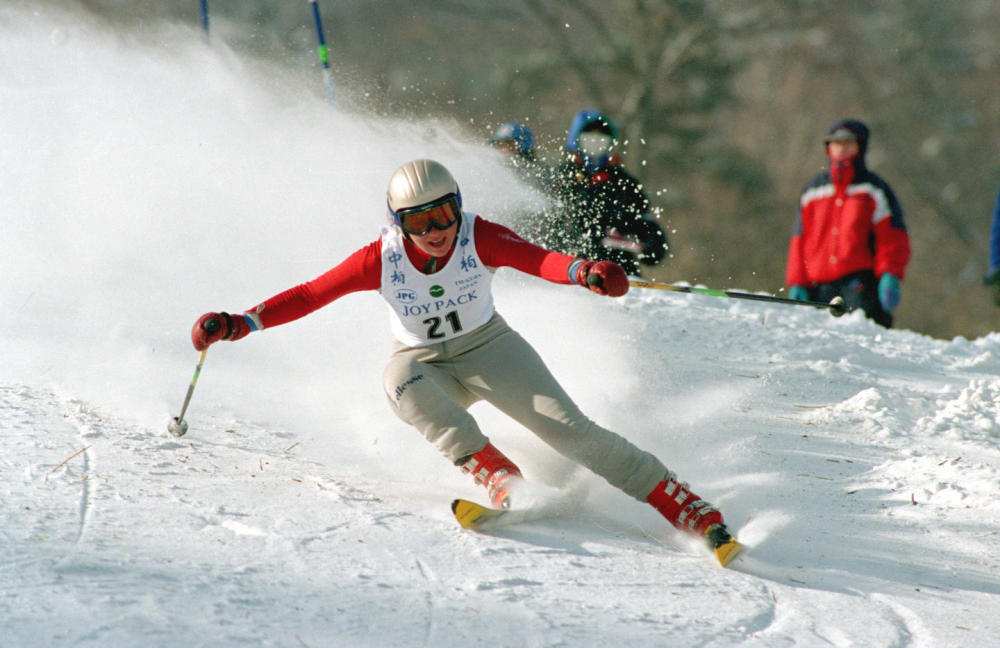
(723,105)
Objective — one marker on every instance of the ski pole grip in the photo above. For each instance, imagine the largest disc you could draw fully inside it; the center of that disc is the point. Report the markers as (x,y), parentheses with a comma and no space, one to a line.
(595,280)
(212,325)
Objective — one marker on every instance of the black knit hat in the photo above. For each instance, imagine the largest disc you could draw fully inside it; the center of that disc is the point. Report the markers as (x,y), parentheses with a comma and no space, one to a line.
(855,127)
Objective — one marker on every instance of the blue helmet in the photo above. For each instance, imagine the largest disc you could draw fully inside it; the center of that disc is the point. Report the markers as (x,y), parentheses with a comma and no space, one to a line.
(590,121)
(518,133)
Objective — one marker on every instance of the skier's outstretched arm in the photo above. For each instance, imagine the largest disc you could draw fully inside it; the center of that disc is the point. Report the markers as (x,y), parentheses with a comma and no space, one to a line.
(500,246)
(360,271)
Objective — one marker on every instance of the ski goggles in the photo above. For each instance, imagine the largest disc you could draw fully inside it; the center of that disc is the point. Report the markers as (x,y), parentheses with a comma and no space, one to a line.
(440,214)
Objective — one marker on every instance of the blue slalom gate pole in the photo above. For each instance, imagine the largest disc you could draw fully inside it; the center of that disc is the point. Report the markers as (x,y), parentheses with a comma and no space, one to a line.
(323,51)
(204,17)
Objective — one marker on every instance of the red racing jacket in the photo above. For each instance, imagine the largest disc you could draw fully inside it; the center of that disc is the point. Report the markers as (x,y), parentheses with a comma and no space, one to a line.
(496,245)
(848,221)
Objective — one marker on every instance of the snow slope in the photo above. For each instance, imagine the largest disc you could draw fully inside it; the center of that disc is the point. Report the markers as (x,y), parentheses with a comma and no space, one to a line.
(146,184)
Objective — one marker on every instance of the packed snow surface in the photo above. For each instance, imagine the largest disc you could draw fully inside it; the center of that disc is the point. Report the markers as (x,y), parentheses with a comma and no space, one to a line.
(146,181)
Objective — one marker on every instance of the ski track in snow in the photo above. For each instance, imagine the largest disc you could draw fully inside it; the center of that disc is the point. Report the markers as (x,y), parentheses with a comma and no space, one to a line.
(860,466)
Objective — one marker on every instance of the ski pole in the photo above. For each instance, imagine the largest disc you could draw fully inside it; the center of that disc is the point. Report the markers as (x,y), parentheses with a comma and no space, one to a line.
(323,51)
(178,426)
(836,305)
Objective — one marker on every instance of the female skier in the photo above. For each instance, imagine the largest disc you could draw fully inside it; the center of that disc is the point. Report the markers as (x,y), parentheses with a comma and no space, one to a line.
(434,264)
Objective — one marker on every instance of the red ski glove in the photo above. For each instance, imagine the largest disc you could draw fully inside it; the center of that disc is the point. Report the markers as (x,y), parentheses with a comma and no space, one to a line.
(602,277)
(212,327)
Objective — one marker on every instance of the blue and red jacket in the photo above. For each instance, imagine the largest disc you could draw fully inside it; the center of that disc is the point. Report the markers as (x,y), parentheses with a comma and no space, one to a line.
(849,220)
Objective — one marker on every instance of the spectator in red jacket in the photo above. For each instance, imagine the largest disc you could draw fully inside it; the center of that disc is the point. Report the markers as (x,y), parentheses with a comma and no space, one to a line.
(849,238)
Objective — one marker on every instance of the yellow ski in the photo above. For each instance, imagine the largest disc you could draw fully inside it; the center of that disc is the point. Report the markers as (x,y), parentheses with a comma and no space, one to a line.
(727,551)
(476,516)
(722,543)
(472,516)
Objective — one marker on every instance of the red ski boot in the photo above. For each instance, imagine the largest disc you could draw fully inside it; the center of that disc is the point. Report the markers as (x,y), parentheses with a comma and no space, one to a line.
(688,512)
(491,468)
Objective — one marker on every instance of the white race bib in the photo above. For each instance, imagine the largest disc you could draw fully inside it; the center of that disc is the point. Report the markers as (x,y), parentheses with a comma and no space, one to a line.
(425,309)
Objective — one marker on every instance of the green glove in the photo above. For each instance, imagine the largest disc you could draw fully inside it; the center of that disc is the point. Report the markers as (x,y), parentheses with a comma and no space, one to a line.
(798,293)
(888,292)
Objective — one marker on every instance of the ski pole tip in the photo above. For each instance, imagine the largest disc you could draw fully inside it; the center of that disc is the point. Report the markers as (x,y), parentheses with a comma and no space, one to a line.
(177,427)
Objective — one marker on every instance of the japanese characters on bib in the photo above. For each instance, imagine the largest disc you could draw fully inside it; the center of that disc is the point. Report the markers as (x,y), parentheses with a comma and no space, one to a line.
(425,309)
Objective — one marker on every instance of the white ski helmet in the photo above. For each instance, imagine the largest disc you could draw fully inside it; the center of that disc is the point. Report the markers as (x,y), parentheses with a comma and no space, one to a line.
(417,183)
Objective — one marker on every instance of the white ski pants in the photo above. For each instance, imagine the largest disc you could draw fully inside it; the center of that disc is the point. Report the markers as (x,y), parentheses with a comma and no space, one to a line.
(431,388)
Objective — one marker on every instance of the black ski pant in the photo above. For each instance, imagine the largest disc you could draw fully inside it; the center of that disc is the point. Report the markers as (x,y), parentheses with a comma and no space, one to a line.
(859,290)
